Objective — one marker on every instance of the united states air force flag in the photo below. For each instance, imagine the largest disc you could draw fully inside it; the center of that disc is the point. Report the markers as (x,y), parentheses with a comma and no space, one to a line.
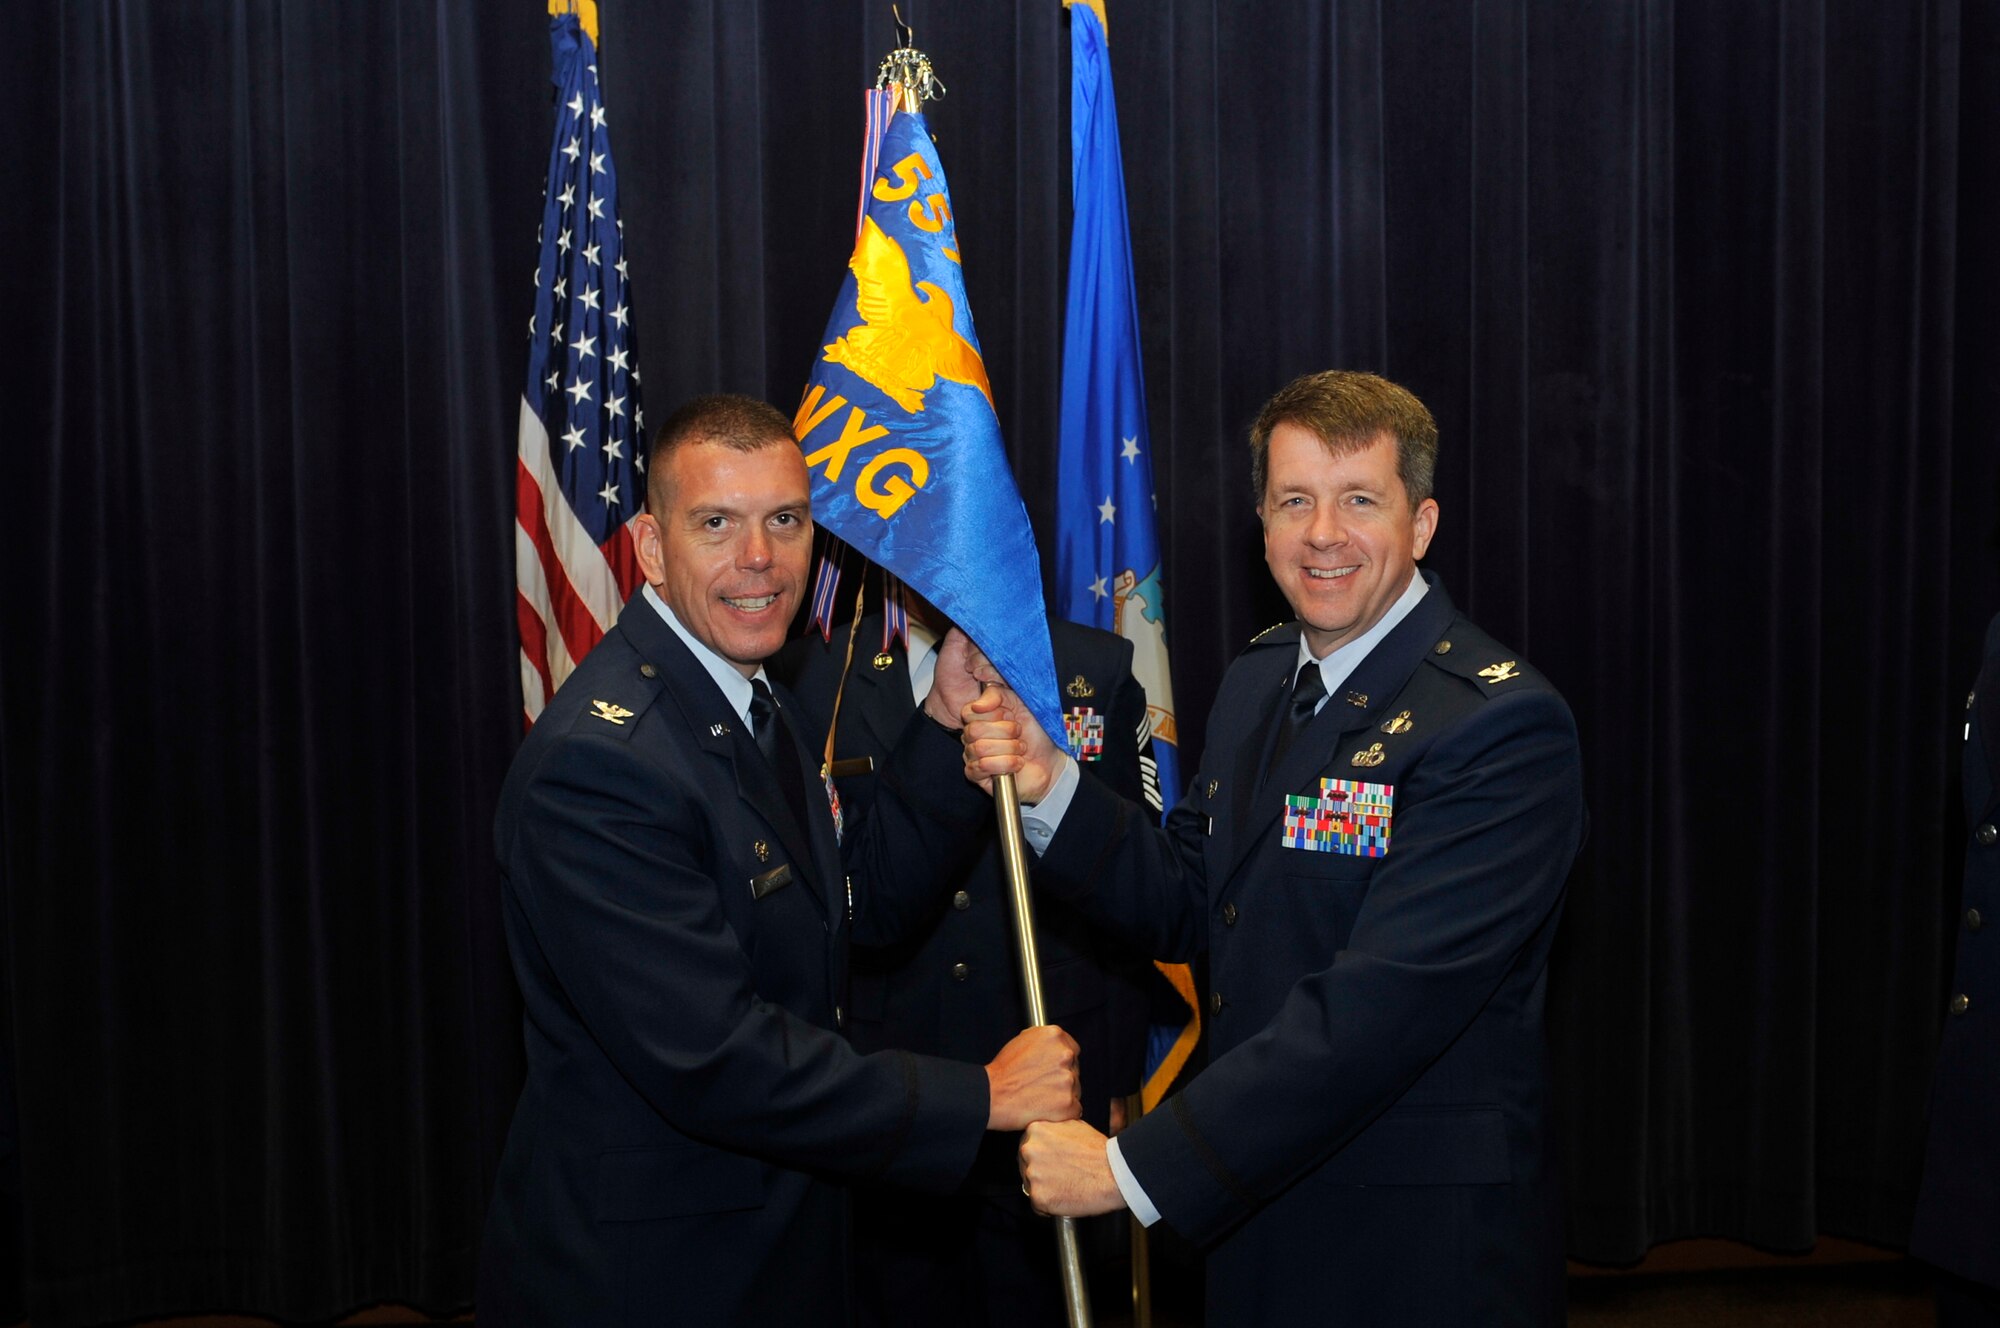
(898,429)
(1107,545)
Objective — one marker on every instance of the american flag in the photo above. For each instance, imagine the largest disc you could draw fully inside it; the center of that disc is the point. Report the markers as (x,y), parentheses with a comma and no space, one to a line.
(580,479)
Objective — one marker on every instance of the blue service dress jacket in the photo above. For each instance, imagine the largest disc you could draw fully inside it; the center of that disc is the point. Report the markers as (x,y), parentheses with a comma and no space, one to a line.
(1958,1208)
(1369,1143)
(691,1107)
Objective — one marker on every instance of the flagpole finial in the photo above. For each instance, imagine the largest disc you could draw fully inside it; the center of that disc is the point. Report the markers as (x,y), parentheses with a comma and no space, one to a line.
(585,11)
(1096,7)
(906,71)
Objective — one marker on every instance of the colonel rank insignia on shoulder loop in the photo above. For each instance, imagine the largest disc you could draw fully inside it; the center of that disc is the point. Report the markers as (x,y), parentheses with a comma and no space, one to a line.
(1347,817)
(616,714)
(1499,673)
(1084,728)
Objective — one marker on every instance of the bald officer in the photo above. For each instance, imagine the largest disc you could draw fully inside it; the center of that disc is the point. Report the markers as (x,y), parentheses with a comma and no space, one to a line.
(678,913)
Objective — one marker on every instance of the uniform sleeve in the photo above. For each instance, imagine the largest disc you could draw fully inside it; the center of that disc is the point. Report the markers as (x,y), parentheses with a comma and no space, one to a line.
(1129,975)
(925,826)
(1488,826)
(605,859)
(1141,880)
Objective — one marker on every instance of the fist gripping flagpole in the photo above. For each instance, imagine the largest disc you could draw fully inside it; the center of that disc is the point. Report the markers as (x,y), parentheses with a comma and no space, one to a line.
(1014,861)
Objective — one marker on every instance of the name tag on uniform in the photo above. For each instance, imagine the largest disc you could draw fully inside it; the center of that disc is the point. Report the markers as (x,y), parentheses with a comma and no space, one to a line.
(1347,816)
(775,879)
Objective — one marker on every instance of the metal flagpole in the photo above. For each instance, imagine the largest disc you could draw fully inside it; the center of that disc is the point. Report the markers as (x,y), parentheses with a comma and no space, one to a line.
(1014,859)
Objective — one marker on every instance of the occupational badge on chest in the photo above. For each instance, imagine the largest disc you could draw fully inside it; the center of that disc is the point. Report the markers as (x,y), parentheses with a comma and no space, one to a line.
(1084,728)
(1347,816)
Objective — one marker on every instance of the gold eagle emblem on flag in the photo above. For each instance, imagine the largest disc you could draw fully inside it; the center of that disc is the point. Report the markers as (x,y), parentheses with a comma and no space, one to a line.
(905,341)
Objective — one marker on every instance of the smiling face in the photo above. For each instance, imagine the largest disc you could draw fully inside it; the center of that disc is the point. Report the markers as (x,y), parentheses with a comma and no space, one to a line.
(1340,535)
(726,545)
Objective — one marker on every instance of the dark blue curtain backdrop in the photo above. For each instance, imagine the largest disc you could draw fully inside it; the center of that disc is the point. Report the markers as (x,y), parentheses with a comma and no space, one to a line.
(1704,293)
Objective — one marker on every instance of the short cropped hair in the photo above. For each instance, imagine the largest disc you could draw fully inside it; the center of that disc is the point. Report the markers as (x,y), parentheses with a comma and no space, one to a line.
(742,424)
(1348,411)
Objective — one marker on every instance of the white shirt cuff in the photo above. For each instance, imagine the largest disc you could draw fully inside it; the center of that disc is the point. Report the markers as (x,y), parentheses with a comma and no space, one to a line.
(1128,1185)
(1040,822)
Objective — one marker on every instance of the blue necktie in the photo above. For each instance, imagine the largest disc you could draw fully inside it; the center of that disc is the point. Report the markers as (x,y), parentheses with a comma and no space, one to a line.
(1307,693)
(767,726)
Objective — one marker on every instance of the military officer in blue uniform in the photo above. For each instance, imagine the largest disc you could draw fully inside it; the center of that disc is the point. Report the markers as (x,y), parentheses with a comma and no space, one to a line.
(980,1256)
(1958,1209)
(1373,858)
(678,913)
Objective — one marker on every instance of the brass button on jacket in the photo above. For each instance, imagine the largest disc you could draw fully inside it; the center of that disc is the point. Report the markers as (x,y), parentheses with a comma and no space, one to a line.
(961,901)
(960,971)
(1986,834)
(1973,921)
(1215,1002)
(1229,915)
(1961,1003)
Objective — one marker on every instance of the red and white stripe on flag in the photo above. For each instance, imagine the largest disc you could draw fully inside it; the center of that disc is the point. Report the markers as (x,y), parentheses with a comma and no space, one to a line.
(568,589)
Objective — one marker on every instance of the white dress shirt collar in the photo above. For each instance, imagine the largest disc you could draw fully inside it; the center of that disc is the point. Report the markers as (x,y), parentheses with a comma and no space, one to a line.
(923,659)
(1340,663)
(735,687)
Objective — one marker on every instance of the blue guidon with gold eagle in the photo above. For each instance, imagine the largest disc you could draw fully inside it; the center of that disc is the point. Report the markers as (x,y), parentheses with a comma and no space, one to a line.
(899,433)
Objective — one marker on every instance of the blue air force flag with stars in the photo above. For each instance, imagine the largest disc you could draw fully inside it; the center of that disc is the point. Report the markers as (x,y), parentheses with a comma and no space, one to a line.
(1107,540)
(578,482)
(898,429)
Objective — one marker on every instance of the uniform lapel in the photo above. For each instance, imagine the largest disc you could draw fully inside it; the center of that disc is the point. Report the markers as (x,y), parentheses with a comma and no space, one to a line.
(826,876)
(719,731)
(757,785)
(1329,744)
(1245,794)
